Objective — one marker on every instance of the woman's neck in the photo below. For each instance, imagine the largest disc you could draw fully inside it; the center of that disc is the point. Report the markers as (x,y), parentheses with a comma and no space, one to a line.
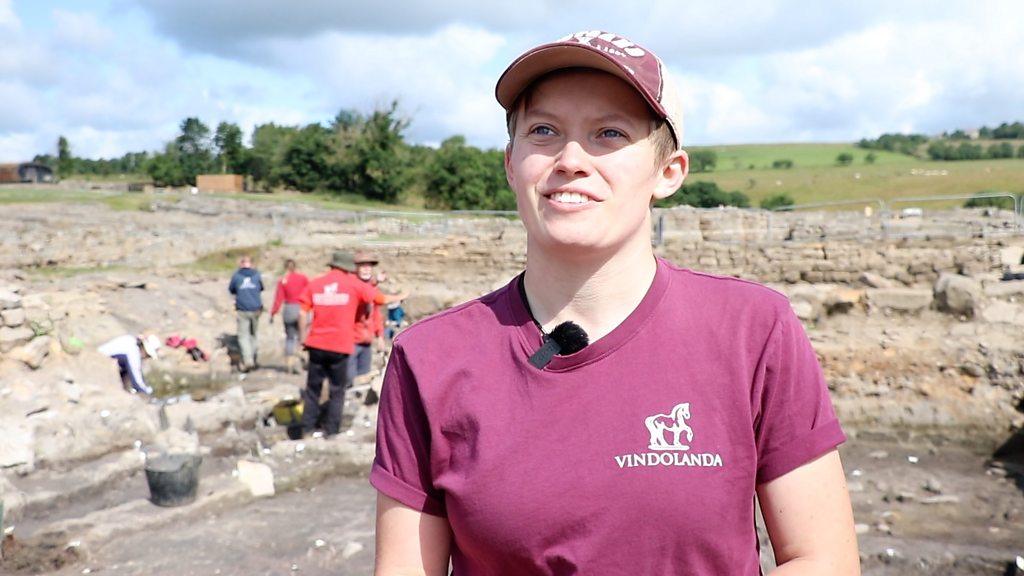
(597,293)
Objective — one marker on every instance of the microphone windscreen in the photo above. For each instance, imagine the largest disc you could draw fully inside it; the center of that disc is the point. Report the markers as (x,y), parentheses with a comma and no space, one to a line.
(571,338)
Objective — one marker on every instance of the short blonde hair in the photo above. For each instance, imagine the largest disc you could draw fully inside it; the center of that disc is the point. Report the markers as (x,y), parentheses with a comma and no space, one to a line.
(661,133)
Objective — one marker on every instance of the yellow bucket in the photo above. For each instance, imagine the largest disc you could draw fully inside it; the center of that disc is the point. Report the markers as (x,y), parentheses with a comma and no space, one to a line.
(288,412)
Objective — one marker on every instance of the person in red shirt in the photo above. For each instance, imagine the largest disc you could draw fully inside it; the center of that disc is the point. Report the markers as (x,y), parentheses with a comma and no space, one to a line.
(369,322)
(289,289)
(333,300)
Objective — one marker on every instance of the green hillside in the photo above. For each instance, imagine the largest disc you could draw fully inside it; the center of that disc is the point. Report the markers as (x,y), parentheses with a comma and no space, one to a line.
(741,157)
(815,176)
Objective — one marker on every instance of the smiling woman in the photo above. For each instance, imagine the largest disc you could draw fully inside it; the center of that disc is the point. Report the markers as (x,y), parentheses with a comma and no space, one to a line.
(642,452)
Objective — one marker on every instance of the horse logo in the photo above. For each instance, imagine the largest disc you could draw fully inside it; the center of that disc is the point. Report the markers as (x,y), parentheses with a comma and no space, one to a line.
(675,423)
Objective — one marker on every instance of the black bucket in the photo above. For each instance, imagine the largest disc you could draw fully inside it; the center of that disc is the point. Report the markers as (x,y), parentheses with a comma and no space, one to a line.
(173,478)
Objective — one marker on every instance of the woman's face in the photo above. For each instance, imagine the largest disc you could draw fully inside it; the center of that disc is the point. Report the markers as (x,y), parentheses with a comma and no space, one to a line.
(582,164)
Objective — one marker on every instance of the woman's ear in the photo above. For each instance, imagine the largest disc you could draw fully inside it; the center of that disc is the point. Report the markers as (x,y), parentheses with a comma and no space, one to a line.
(508,170)
(672,175)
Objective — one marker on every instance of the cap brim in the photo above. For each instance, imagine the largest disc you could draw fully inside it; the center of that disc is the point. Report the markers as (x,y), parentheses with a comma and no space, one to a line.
(552,57)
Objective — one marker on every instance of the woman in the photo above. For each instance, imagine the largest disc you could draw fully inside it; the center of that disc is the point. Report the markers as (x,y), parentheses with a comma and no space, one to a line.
(642,452)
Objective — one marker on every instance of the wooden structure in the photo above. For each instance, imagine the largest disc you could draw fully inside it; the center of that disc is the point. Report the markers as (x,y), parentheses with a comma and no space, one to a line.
(220,183)
(25,173)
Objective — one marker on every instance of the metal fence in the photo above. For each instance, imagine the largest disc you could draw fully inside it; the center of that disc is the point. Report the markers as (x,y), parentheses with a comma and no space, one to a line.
(858,219)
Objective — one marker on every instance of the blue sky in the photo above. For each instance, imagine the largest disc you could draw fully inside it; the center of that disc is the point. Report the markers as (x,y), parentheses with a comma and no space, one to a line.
(119,75)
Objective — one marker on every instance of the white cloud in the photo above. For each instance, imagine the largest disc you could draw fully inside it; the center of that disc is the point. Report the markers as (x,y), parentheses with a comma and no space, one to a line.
(121,77)
(21,108)
(440,79)
(8,19)
(78,30)
(14,144)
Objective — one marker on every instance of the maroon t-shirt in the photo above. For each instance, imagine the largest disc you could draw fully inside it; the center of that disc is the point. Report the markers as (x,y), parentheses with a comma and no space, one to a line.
(637,455)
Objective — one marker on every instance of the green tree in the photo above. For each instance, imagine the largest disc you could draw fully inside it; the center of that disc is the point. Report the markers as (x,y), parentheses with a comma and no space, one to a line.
(65,161)
(463,177)
(265,160)
(166,169)
(1001,150)
(704,195)
(377,162)
(777,201)
(305,162)
(870,158)
(844,159)
(939,150)
(227,140)
(1009,131)
(703,160)
(784,164)
(194,149)
(967,151)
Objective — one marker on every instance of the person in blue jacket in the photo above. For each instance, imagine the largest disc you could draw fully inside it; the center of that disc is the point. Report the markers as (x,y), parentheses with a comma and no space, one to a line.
(247,286)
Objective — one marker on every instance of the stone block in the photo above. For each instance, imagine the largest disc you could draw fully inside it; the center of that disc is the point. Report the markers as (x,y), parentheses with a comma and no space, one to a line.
(9,300)
(12,317)
(1003,313)
(257,476)
(16,443)
(34,353)
(958,294)
(13,337)
(872,280)
(1009,288)
(1011,255)
(905,300)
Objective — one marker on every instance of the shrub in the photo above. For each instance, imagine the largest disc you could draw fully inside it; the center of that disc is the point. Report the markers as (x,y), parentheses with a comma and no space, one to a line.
(777,201)
(1001,202)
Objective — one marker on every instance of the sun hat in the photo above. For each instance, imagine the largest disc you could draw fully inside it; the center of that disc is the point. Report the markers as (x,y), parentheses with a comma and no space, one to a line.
(150,344)
(343,260)
(365,258)
(604,51)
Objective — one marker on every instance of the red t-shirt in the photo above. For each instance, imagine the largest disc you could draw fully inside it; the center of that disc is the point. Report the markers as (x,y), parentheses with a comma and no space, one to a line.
(289,289)
(334,299)
(369,323)
(637,455)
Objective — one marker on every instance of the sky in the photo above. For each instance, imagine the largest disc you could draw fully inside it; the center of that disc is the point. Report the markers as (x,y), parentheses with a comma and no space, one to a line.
(117,76)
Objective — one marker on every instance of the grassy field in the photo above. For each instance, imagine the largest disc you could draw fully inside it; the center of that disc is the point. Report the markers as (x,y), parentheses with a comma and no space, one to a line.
(816,178)
(761,156)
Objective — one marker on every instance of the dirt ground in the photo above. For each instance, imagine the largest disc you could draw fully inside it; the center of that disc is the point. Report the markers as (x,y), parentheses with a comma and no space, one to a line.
(974,526)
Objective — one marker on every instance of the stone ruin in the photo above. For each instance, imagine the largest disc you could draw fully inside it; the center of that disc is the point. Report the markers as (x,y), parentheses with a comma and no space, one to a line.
(915,328)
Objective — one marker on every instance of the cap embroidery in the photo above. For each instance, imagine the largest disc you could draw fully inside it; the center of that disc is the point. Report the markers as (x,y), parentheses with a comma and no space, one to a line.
(625,47)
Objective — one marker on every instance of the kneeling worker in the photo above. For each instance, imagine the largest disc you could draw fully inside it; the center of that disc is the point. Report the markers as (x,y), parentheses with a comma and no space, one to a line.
(128,350)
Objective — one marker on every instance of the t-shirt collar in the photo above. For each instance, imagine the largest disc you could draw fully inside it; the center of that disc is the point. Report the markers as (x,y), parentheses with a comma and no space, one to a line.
(531,336)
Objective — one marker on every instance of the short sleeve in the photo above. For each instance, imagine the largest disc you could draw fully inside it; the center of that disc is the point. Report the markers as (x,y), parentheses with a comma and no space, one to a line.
(401,468)
(795,421)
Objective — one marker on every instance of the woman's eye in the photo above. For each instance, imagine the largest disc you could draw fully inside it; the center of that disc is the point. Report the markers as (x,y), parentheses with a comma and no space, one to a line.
(542,130)
(612,133)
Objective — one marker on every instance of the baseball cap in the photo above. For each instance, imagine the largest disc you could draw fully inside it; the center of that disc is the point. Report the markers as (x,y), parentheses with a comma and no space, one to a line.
(604,51)
(151,344)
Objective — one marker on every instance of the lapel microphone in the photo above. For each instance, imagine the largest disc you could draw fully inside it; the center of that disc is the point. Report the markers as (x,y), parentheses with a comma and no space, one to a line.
(566,338)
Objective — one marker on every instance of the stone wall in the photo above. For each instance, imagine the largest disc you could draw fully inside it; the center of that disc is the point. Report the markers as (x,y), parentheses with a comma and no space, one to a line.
(823,247)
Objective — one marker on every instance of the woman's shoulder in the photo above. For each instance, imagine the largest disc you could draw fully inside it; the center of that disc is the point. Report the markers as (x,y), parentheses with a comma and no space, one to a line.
(718,290)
